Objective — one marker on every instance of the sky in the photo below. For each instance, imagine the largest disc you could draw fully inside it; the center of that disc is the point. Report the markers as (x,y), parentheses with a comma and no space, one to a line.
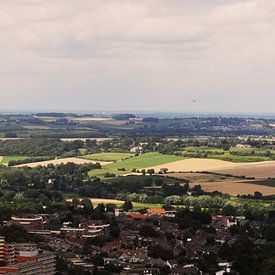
(138,55)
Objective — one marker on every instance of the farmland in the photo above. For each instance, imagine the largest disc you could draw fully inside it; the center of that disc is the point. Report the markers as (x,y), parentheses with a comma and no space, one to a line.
(229,185)
(114,163)
(235,188)
(119,203)
(257,170)
(174,163)
(111,156)
(69,125)
(6,159)
(138,162)
(233,154)
(114,155)
(194,164)
(60,161)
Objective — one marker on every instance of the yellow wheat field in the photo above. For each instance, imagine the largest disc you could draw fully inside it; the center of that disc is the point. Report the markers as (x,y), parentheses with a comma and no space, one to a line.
(195,164)
(60,161)
(262,169)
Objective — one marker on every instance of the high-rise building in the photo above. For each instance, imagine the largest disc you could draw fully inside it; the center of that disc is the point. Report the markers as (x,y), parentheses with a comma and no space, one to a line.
(7,254)
(2,246)
(25,258)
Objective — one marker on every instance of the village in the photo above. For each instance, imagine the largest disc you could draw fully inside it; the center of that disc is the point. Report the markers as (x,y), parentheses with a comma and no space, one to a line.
(154,241)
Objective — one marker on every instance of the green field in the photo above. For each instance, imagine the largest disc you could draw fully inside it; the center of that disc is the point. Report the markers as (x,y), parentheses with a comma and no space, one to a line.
(234,154)
(7,159)
(237,158)
(117,203)
(83,151)
(138,162)
(112,156)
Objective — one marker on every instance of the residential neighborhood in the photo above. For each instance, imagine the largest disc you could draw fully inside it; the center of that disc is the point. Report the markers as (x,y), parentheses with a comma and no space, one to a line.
(154,241)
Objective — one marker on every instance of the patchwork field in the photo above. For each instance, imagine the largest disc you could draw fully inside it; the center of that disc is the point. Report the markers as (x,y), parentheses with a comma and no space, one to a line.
(234,154)
(174,163)
(194,164)
(229,185)
(258,170)
(112,156)
(60,161)
(139,162)
(262,169)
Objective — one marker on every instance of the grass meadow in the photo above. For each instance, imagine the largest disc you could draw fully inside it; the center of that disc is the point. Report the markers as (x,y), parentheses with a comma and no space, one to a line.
(234,154)
(138,162)
(7,159)
(108,156)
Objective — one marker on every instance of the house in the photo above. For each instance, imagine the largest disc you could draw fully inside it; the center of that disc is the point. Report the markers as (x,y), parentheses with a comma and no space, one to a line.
(142,271)
(136,149)
(225,268)
(172,263)
(29,222)
(231,221)
(113,261)
(160,212)
(133,255)
(186,270)
(243,146)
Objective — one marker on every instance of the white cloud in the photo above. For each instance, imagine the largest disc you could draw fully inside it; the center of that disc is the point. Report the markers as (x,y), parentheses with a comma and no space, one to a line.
(133,50)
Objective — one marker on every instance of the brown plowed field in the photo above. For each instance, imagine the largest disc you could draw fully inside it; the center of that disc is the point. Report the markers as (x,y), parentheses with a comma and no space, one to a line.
(264,169)
(229,185)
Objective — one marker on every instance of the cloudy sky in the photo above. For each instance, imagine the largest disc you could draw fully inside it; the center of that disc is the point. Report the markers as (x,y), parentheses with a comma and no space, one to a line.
(140,55)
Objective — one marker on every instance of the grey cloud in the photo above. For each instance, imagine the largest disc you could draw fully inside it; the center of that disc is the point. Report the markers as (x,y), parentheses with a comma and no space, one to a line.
(143,54)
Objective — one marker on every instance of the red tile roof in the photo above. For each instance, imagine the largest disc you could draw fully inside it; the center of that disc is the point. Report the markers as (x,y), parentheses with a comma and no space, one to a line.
(159,211)
(138,216)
